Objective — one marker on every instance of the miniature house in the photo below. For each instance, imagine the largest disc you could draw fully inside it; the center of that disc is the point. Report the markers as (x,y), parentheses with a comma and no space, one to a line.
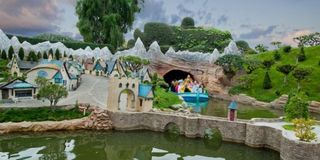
(17,89)
(127,94)
(232,111)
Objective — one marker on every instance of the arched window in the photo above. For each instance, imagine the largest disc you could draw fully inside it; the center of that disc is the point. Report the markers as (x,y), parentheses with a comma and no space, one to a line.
(120,85)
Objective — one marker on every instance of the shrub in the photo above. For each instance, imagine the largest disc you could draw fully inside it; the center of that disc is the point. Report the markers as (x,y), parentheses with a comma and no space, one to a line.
(213,137)
(187,22)
(297,106)
(243,46)
(39,55)
(230,64)
(277,56)
(287,49)
(267,84)
(21,53)
(251,51)
(130,43)
(303,129)
(45,55)
(285,69)
(10,52)
(57,54)
(301,74)
(138,34)
(3,55)
(268,63)
(301,56)
(160,32)
(235,90)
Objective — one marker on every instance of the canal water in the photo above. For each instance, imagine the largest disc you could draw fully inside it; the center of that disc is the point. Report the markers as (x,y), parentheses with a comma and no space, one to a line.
(115,145)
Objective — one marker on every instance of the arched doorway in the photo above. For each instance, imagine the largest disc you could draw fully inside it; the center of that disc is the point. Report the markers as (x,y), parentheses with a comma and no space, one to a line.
(176,75)
(126,100)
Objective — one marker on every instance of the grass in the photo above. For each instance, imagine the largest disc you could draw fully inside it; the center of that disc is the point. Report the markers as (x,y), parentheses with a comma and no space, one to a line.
(311,85)
(256,113)
(164,99)
(38,114)
(288,127)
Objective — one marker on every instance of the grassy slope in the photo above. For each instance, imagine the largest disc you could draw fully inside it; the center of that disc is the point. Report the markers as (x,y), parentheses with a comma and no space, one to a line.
(311,86)
(164,99)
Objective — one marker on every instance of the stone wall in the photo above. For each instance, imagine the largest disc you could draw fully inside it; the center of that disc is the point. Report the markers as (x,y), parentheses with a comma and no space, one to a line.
(241,131)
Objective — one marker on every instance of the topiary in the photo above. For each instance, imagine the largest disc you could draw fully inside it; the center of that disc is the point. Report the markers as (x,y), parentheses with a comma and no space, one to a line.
(10,52)
(138,34)
(21,53)
(276,56)
(301,56)
(130,43)
(230,64)
(297,106)
(187,22)
(267,84)
(3,55)
(160,32)
(287,49)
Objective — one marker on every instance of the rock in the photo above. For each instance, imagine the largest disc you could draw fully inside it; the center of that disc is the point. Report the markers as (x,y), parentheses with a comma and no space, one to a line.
(176,107)
(280,102)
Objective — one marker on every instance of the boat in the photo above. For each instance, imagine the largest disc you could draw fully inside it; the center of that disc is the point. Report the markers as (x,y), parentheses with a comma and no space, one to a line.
(194,97)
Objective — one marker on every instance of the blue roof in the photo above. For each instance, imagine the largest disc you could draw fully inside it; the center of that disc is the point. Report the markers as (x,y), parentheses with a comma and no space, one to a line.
(22,85)
(56,62)
(144,90)
(17,84)
(233,105)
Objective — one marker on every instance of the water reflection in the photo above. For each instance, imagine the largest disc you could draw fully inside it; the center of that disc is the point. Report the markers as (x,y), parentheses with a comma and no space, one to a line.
(140,145)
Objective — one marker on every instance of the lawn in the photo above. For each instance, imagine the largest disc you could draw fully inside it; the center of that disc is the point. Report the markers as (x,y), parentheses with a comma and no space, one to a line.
(38,114)
(311,85)
(164,99)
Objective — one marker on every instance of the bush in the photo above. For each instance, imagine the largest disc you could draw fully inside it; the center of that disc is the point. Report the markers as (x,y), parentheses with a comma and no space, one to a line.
(303,129)
(251,51)
(268,63)
(287,49)
(131,43)
(297,106)
(21,53)
(267,84)
(235,90)
(277,56)
(230,64)
(243,46)
(187,22)
(10,53)
(138,34)
(4,55)
(213,137)
(301,56)
(160,32)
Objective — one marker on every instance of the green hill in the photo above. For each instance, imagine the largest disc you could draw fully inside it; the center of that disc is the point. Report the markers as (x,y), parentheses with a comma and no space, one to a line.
(311,86)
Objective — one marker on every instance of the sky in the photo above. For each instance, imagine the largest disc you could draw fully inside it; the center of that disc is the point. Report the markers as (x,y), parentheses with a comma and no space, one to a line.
(255,21)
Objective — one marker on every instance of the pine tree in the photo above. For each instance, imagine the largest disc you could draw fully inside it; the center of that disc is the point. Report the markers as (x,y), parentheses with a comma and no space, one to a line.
(57,54)
(50,51)
(32,57)
(4,55)
(45,55)
(11,52)
(267,81)
(21,53)
(39,55)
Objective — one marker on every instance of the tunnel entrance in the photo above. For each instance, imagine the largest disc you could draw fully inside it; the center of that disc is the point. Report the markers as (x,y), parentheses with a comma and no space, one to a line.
(176,75)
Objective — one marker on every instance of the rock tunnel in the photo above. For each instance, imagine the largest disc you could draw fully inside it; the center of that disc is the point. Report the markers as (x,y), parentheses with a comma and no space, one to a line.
(176,75)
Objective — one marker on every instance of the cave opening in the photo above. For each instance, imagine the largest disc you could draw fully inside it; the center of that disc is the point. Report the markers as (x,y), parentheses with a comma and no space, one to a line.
(176,75)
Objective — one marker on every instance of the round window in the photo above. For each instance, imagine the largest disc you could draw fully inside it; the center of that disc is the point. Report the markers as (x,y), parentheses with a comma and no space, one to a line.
(42,73)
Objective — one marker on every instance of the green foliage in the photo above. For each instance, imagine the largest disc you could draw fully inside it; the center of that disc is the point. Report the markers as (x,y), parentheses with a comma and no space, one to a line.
(230,64)
(277,44)
(160,32)
(50,52)
(301,56)
(32,57)
(289,127)
(261,48)
(21,53)
(297,106)
(251,51)
(10,52)
(4,55)
(303,129)
(131,43)
(164,99)
(187,23)
(243,46)
(277,56)
(285,69)
(267,84)
(300,74)
(138,34)
(57,55)
(39,55)
(38,114)
(105,21)
(212,137)
(267,64)
(134,63)
(287,49)
(52,92)
(246,81)
(54,37)
(45,55)
(312,39)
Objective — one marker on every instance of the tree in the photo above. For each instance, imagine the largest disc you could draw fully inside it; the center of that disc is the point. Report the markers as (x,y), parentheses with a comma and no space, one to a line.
(32,57)
(297,106)
(10,52)
(130,43)
(105,21)
(285,69)
(268,63)
(276,44)
(39,55)
(138,34)
(261,48)
(243,46)
(45,55)
(276,56)
(287,49)
(133,63)
(267,84)
(301,56)
(21,53)
(312,39)
(252,64)
(230,64)
(187,22)
(4,55)
(51,92)
(65,55)
(301,74)
(57,54)
(50,52)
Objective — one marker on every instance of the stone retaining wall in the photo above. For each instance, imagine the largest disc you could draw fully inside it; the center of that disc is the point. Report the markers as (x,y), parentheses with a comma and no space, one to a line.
(241,131)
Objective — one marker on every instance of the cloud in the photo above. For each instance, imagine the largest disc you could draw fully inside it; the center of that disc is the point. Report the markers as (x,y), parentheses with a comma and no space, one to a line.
(29,17)
(153,10)
(182,10)
(288,38)
(222,20)
(258,32)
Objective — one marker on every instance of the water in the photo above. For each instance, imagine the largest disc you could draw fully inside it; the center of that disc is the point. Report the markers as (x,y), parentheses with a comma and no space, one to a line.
(142,145)
(219,108)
